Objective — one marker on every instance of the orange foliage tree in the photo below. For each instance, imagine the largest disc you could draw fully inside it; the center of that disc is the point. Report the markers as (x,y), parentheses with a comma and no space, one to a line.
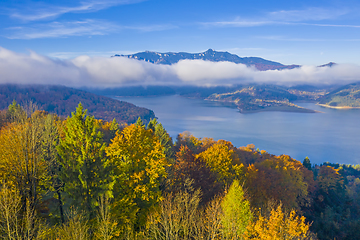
(187,166)
(279,178)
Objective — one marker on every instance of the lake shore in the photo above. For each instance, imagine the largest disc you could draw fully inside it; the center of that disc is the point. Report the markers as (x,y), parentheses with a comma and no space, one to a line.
(277,108)
(337,107)
(280,109)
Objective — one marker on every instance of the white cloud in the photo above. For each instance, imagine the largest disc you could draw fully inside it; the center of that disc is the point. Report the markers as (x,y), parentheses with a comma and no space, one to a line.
(120,71)
(37,12)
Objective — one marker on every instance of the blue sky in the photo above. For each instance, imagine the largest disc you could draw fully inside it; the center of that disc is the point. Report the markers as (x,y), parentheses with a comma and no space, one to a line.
(291,32)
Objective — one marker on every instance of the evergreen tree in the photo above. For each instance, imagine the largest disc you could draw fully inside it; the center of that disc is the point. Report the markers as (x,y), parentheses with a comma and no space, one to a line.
(307,163)
(140,123)
(84,164)
(152,124)
(165,140)
(114,128)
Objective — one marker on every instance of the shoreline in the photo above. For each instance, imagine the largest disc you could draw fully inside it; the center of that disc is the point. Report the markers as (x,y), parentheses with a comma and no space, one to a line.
(281,109)
(296,108)
(337,107)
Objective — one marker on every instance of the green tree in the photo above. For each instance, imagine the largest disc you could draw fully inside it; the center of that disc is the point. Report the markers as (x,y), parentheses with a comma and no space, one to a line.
(84,166)
(236,212)
(164,137)
(140,123)
(15,113)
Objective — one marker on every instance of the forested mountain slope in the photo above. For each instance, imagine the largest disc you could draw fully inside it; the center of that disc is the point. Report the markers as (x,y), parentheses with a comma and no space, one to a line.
(347,96)
(63,100)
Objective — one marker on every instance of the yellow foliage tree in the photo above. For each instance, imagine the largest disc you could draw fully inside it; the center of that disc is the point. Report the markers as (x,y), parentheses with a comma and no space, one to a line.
(279,226)
(221,159)
(21,163)
(139,164)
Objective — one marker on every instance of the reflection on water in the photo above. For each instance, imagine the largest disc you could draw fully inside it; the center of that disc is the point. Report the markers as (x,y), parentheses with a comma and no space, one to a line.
(329,136)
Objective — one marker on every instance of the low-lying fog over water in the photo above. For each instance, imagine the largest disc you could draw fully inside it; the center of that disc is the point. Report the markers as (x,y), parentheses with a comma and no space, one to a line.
(333,135)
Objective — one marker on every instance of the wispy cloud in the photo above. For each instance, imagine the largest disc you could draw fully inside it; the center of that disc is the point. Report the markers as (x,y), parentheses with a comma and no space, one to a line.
(330,25)
(39,11)
(120,71)
(70,55)
(237,22)
(87,27)
(309,14)
(283,38)
(151,28)
(286,17)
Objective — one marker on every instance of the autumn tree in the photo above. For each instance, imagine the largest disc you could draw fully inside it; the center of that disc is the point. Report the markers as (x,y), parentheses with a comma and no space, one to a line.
(280,226)
(178,216)
(16,221)
(84,166)
(108,129)
(187,139)
(22,163)
(187,166)
(221,158)
(249,155)
(139,164)
(279,178)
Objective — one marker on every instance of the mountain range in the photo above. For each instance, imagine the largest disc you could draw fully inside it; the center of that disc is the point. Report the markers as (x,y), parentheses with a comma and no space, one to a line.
(169,58)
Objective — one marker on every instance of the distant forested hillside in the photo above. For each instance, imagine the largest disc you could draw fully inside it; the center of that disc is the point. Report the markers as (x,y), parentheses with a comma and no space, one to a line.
(63,100)
(345,96)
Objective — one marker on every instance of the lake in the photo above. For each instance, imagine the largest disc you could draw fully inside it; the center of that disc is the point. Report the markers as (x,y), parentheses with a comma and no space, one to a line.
(330,136)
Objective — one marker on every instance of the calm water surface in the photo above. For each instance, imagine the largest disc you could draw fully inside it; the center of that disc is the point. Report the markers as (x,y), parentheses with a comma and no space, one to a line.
(331,136)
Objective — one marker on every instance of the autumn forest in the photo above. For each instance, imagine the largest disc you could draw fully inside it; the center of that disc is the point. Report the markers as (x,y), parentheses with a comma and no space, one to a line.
(86,178)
